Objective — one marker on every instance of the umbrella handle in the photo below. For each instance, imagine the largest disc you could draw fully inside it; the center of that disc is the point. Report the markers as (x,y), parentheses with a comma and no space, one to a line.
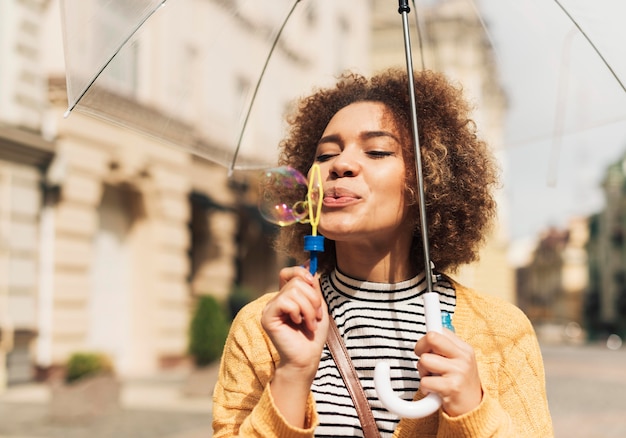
(382,378)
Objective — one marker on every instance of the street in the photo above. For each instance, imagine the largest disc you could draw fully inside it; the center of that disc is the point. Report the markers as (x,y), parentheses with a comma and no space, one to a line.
(586,390)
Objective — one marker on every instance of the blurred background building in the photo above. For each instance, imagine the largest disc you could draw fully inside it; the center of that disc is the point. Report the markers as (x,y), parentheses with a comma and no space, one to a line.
(25,154)
(552,284)
(605,303)
(108,235)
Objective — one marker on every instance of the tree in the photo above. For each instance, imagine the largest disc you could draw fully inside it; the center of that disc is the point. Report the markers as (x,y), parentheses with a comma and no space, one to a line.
(208,331)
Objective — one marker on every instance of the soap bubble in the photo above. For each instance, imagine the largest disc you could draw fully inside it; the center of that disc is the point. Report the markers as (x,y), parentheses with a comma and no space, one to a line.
(282,196)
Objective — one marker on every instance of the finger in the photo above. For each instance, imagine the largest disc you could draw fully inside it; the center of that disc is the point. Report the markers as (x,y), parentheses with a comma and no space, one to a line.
(309,309)
(287,274)
(431,363)
(446,344)
(434,383)
(453,389)
(441,375)
(299,302)
(433,342)
(458,372)
(282,309)
(310,290)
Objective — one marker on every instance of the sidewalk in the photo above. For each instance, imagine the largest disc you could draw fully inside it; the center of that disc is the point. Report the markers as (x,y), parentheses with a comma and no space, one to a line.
(153,407)
(586,389)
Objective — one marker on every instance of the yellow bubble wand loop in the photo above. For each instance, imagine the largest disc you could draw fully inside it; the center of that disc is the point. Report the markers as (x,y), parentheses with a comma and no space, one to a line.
(314,243)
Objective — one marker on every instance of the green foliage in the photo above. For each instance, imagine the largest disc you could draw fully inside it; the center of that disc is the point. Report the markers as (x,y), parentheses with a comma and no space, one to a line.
(208,331)
(237,299)
(85,364)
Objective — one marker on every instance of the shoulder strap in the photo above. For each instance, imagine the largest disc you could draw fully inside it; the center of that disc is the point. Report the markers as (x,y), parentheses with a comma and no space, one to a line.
(340,355)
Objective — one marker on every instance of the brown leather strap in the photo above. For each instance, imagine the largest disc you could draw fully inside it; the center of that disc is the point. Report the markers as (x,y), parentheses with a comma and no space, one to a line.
(340,355)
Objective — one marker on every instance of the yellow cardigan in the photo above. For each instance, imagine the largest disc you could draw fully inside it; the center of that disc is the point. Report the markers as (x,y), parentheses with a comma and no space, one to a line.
(514,403)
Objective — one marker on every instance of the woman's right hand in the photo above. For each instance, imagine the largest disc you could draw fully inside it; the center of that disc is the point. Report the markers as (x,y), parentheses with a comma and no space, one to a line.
(296,320)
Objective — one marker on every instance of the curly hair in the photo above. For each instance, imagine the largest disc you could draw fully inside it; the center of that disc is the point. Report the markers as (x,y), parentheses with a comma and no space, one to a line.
(459,170)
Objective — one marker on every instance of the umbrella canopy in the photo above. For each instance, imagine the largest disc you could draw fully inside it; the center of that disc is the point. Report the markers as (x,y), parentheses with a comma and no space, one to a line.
(565,55)
(562,55)
(220,51)
(566,118)
(560,62)
(198,64)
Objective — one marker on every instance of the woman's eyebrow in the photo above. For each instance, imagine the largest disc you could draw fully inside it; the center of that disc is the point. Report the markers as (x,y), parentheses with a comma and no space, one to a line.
(374,134)
(332,138)
(366,135)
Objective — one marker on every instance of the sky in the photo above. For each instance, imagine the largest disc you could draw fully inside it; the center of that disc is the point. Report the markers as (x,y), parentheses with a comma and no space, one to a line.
(567,118)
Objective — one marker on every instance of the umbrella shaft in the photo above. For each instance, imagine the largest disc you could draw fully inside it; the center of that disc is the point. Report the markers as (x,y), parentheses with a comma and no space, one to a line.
(403,9)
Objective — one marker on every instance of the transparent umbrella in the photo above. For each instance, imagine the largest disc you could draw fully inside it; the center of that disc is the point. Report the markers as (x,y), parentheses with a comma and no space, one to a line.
(239,63)
(220,49)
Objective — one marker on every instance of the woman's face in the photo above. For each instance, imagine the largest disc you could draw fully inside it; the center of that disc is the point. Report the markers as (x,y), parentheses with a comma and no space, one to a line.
(363,175)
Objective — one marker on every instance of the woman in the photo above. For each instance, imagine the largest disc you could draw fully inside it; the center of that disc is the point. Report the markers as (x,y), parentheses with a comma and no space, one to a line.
(277,377)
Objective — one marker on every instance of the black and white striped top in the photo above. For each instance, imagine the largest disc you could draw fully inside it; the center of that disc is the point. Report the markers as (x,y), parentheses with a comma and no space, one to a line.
(377,321)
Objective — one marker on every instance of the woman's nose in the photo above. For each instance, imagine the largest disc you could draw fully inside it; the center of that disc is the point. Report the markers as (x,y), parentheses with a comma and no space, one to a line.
(344,165)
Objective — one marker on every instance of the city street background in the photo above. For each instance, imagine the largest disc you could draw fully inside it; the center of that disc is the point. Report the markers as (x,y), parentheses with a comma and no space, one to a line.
(110,239)
(586,389)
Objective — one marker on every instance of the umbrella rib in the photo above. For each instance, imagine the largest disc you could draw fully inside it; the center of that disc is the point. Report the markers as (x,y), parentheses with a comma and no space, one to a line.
(231,168)
(606,63)
(420,36)
(559,116)
(488,34)
(106,64)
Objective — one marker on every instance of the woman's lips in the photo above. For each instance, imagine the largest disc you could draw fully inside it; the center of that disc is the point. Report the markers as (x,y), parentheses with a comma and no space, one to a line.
(339,197)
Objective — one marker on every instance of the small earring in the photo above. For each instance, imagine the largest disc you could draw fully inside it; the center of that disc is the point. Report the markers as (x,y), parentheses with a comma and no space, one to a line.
(412,196)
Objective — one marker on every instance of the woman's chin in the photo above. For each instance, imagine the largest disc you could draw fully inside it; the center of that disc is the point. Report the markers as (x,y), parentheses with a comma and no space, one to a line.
(346,234)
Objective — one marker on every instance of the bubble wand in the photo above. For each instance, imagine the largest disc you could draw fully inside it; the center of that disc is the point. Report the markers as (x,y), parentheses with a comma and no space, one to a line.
(314,243)
(283,202)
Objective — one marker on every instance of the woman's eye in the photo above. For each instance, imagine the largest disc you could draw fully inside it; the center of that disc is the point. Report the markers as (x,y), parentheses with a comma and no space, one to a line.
(379,154)
(324,157)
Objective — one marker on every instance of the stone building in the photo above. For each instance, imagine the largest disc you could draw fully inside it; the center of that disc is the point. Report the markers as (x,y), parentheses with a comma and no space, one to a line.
(551,286)
(605,306)
(107,234)
(25,154)
(110,233)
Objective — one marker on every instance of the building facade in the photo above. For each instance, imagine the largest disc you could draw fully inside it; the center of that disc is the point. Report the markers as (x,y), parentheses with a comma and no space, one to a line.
(605,304)
(25,154)
(107,232)
(552,285)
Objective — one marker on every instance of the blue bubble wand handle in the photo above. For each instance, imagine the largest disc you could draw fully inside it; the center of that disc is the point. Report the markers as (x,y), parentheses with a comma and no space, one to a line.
(314,243)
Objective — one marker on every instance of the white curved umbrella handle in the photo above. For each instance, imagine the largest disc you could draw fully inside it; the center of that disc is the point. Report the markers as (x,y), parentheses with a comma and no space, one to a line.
(382,377)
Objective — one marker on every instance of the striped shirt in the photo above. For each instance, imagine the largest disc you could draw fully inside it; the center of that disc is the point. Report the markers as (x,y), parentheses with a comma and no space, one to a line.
(377,321)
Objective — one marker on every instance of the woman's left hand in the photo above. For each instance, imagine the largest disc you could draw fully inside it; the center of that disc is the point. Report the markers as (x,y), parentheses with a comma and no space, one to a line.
(447,366)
